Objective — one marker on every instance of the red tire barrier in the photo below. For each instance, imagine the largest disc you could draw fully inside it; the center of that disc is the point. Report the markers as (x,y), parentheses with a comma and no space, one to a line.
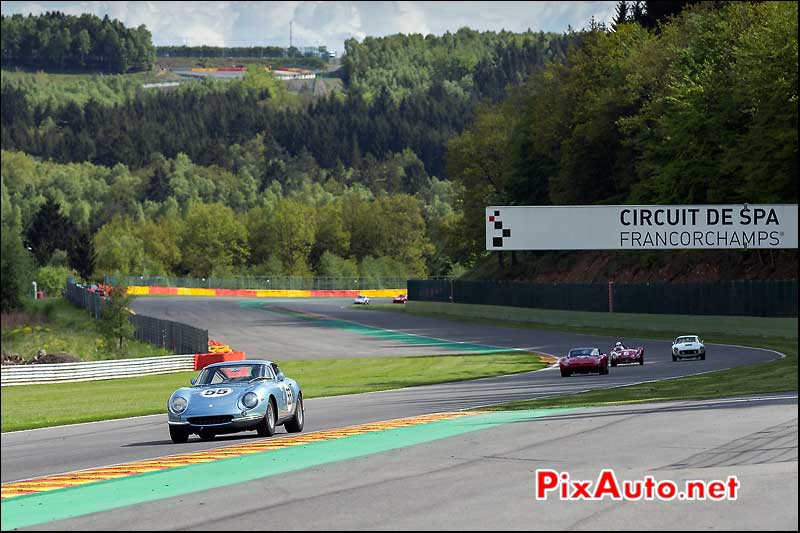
(202,360)
(334,294)
(164,290)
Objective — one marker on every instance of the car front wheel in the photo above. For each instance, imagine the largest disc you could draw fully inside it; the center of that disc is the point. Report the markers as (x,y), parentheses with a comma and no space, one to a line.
(295,425)
(565,373)
(178,435)
(266,428)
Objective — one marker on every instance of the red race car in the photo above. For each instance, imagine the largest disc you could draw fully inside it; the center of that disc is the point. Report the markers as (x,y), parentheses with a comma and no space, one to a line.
(583,360)
(400,299)
(622,355)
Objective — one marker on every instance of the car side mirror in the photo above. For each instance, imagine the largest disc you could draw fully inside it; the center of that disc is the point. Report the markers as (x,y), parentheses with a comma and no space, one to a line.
(281,377)
(193,381)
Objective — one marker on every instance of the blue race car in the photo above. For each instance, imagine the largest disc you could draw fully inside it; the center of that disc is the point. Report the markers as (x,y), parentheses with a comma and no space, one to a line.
(236,396)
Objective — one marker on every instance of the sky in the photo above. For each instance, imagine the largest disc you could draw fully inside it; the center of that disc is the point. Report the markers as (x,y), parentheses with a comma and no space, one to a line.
(316,23)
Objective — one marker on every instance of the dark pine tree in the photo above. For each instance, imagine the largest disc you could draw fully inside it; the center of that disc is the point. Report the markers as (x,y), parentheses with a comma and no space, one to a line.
(48,232)
(81,254)
(621,15)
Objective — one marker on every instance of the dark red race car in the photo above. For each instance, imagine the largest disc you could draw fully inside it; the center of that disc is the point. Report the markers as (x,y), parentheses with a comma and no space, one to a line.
(621,355)
(583,360)
(400,299)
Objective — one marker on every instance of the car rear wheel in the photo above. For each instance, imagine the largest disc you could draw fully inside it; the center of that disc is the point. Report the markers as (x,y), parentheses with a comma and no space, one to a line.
(178,435)
(295,425)
(266,428)
(206,434)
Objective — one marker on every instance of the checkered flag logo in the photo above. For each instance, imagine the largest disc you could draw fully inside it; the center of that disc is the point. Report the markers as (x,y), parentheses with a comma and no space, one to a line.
(498,232)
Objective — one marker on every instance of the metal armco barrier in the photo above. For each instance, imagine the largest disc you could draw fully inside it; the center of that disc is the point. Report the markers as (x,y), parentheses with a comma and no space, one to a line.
(95,370)
(766,298)
(175,336)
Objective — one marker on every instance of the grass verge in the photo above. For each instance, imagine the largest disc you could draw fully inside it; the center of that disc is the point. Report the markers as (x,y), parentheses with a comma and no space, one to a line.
(67,329)
(34,406)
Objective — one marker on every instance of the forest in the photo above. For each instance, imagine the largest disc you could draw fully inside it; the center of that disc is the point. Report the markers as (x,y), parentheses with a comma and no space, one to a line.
(54,40)
(695,104)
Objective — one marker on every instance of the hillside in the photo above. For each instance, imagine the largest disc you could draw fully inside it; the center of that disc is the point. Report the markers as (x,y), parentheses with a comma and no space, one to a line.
(676,266)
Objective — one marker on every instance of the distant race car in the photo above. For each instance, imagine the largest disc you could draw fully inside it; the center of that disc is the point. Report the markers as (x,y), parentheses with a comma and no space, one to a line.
(236,396)
(688,346)
(583,360)
(620,355)
(400,299)
(361,299)
(97,289)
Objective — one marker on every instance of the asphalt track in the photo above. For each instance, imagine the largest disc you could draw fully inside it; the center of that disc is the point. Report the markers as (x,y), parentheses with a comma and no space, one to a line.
(276,335)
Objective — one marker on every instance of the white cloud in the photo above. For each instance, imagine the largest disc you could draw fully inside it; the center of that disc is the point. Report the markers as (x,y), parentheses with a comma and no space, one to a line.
(324,23)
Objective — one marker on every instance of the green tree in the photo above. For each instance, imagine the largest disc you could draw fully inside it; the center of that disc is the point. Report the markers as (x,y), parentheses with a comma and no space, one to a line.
(294,226)
(115,321)
(118,249)
(214,241)
(332,266)
(16,268)
(49,230)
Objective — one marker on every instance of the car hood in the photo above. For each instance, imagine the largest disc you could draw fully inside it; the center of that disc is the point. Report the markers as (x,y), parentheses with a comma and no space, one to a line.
(218,392)
(213,399)
(582,359)
(688,345)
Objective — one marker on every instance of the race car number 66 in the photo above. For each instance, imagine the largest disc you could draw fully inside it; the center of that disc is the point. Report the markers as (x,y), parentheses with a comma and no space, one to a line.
(215,392)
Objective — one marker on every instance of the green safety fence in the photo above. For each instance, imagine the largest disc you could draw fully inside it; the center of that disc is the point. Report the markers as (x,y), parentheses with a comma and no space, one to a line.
(264,282)
(175,336)
(765,298)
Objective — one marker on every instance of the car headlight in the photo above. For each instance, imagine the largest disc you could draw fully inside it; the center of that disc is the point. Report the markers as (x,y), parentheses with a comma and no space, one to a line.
(178,404)
(250,400)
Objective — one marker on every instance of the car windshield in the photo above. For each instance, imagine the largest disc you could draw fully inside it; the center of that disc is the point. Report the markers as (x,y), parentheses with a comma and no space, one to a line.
(583,352)
(231,374)
(681,340)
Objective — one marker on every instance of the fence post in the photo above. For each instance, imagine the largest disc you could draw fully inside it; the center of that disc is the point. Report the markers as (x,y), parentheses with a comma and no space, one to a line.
(610,296)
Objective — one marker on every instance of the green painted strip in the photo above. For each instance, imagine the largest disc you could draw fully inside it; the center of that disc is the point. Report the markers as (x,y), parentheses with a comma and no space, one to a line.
(30,510)
(362,329)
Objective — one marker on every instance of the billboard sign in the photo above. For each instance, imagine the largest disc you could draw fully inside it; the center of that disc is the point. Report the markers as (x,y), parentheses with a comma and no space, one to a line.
(641,227)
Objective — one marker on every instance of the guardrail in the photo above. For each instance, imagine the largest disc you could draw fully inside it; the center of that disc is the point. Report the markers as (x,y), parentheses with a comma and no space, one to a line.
(94,370)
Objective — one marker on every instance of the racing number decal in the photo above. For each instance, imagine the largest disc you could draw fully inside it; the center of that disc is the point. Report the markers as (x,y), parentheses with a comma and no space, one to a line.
(215,393)
(289,397)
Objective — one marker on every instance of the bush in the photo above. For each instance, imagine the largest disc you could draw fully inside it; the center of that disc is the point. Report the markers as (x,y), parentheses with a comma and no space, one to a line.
(52,279)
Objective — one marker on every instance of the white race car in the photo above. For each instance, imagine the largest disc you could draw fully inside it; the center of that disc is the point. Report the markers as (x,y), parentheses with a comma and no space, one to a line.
(688,346)
(361,299)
